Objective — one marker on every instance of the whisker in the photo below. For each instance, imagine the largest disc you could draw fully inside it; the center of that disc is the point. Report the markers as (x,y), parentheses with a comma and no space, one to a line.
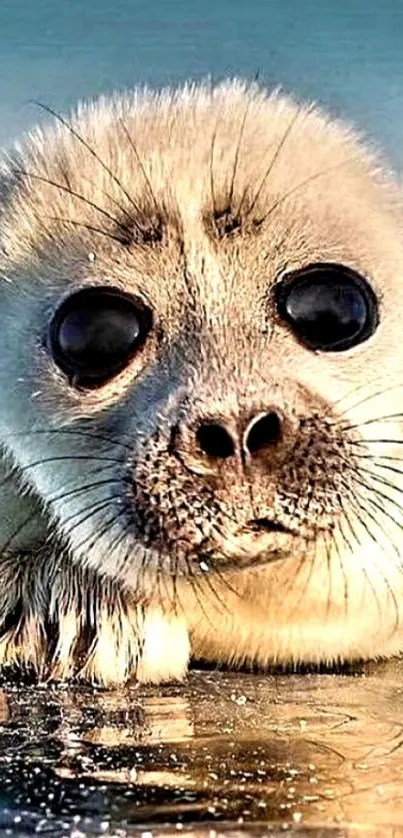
(386,580)
(237,154)
(363,506)
(384,512)
(87,487)
(74,194)
(173,571)
(131,552)
(140,163)
(353,532)
(91,151)
(16,532)
(16,471)
(67,457)
(378,459)
(360,443)
(328,541)
(72,432)
(373,420)
(206,580)
(378,477)
(122,209)
(299,186)
(212,150)
(90,543)
(56,497)
(358,388)
(363,568)
(195,585)
(372,488)
(100,503)
(301,565)
(224,579)
(368,397)
(165,578)
(292,580)
(141,571)
(90,227)
(343,571)
(274,158)
(158,573)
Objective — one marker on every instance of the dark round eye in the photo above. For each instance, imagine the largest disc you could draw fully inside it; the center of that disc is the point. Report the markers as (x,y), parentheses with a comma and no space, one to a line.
(330,307)
(95,333)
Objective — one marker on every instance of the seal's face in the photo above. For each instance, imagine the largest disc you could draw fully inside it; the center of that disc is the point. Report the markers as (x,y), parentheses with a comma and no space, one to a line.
(201,310)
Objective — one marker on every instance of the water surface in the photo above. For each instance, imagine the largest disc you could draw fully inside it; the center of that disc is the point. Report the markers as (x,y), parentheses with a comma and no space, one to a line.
(233,754)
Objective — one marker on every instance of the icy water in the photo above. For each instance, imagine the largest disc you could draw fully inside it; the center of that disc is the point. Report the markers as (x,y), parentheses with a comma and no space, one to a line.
(223,754)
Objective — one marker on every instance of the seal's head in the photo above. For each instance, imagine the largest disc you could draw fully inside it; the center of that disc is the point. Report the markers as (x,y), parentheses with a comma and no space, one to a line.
(201,369)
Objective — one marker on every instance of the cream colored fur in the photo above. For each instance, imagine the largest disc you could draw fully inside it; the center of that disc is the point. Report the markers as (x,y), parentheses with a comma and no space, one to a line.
(77,596)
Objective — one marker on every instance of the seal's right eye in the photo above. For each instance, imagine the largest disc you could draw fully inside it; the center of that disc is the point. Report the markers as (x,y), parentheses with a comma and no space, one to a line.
(330,307)
(95,333)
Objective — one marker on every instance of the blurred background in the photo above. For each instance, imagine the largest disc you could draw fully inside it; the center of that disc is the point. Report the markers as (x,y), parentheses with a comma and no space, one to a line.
(345,54)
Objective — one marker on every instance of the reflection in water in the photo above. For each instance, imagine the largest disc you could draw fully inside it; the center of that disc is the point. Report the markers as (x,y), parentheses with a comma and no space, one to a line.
(319,754)
(4,710)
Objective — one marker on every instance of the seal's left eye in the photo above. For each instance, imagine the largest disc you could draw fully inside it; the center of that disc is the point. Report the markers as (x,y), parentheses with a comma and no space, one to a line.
(96,332)
(329,307)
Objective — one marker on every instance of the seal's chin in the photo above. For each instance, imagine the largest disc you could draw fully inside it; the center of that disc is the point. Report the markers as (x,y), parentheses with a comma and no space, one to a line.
(260,541)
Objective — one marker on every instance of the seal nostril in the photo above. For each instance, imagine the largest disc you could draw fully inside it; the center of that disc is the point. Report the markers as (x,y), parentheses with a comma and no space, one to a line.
(262,432)
(214,440)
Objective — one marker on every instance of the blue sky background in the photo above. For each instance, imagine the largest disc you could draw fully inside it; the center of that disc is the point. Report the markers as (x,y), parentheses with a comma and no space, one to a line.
(347,54)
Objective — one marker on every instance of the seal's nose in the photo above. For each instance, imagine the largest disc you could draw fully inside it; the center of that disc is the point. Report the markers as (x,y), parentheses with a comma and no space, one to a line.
(217,442)
(263,431)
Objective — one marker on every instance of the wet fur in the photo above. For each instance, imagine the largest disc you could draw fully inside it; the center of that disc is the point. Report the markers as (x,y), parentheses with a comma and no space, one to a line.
(121,554)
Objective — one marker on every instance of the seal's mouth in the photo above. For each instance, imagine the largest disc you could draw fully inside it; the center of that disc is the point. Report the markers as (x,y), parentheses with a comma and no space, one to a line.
(264,525)
(258,541)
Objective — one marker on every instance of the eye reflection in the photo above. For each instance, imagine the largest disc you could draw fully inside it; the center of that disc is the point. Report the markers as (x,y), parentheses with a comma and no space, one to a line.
(95,333)
(329,307)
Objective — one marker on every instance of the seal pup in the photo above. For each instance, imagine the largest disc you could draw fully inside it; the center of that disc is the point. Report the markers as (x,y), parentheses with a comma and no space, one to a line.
(201,389)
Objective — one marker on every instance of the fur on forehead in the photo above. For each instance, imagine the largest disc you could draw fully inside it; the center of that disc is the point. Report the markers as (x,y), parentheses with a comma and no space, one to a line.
(181,157)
